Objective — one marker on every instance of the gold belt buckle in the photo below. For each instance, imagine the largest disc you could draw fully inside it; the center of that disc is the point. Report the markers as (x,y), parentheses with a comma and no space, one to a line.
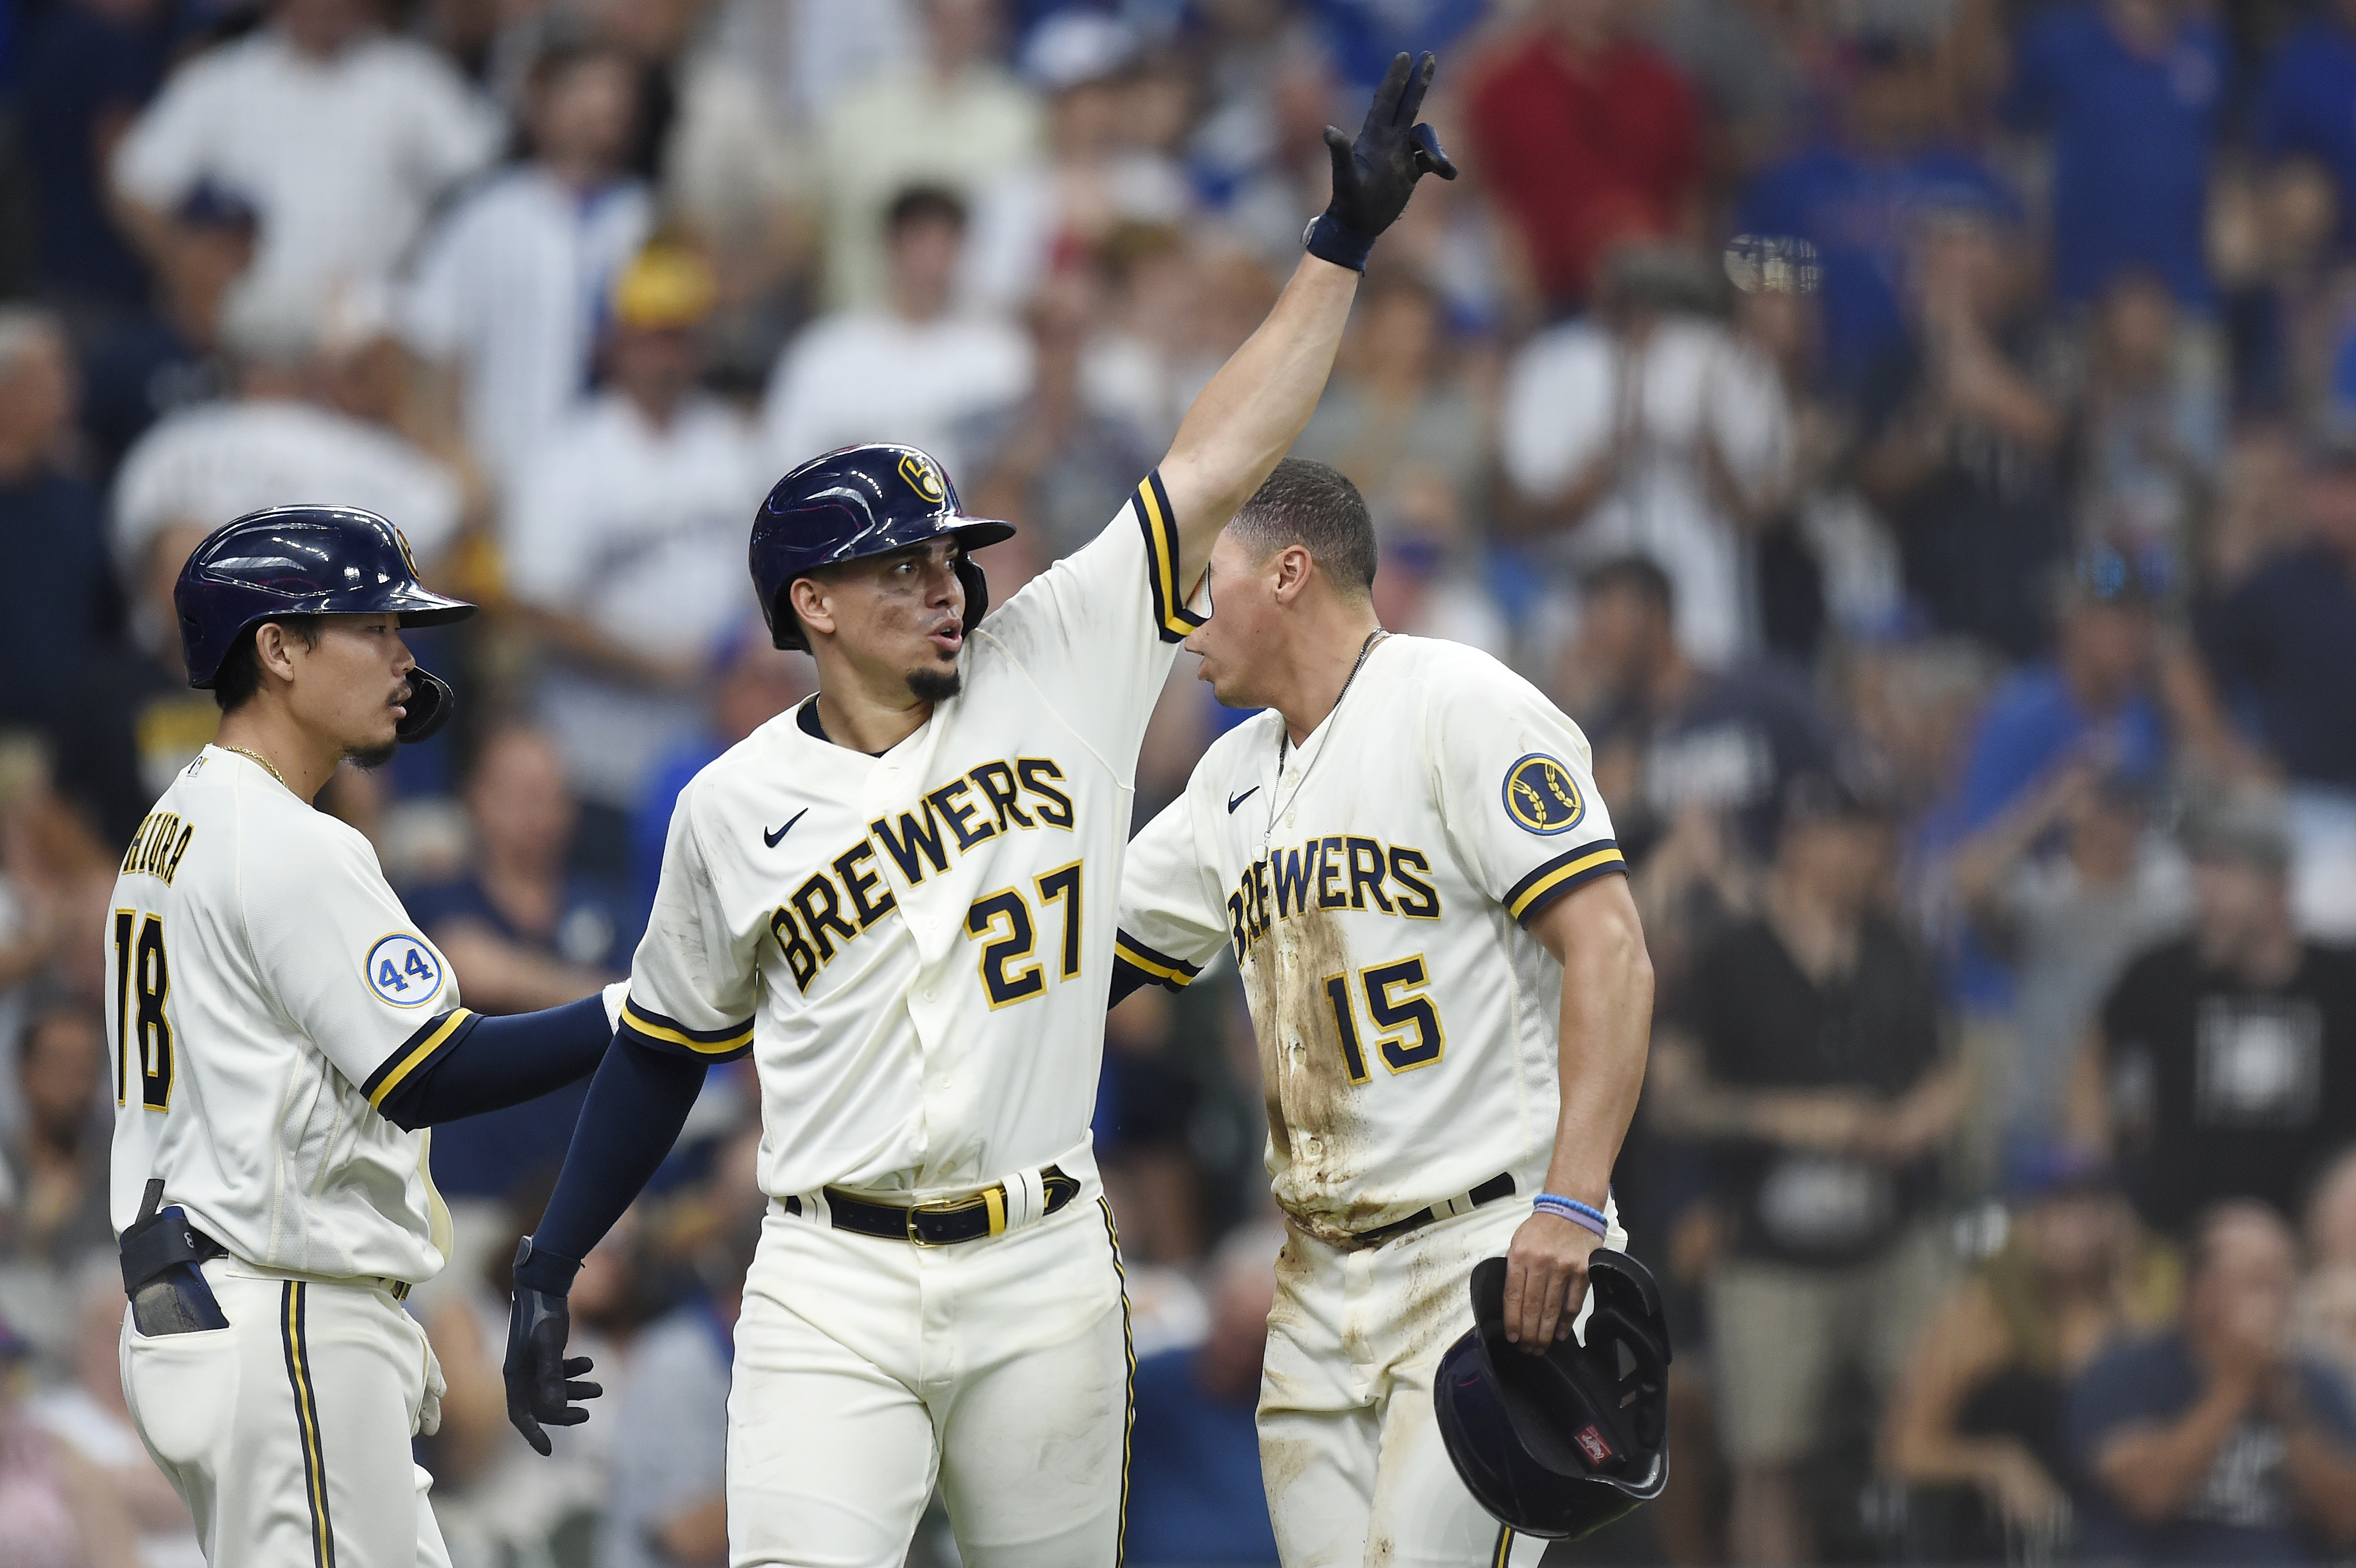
(993,1199)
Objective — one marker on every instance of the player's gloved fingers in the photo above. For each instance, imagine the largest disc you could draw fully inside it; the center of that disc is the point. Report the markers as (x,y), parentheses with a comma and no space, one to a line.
(577,1366)
(1428,157)
(564,1418)
(522,1422)
(1345,163)
(584,1390)
(1385,108)
(1418,82)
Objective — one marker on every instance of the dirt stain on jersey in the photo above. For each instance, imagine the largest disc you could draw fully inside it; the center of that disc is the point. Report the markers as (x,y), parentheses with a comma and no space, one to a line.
(1304,1076)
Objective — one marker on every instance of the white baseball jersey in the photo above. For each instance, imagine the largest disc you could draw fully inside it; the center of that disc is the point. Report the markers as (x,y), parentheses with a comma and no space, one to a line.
(266,992)
(1374,891)
(916,947)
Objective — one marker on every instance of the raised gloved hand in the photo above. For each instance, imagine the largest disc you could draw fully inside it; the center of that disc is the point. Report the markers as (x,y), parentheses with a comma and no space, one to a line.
(1374,176)
(541,1381)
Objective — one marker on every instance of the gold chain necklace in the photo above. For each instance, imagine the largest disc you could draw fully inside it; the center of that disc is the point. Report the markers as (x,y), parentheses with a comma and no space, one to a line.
(264,762)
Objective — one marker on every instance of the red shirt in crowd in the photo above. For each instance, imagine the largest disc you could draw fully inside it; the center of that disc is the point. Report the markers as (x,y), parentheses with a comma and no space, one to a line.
(1582,148)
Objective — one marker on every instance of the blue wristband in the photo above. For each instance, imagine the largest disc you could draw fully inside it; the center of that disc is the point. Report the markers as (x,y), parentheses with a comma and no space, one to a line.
(1572,1210)
(1328,241)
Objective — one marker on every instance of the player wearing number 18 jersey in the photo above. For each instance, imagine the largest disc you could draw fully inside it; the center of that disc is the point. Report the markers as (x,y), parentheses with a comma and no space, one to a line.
(1406,858)
(898,900)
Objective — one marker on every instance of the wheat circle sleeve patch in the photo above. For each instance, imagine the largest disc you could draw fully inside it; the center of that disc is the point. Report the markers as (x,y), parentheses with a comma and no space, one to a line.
(1542,797)
(403,971)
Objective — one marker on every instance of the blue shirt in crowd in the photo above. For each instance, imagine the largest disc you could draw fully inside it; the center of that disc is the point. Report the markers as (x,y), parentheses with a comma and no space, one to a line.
(493,1154)
(1194,1491)
(2307,106)
(2284,646)
(82,67)
(2131,139)
(53,534)
(2241,1512)
(1859,211)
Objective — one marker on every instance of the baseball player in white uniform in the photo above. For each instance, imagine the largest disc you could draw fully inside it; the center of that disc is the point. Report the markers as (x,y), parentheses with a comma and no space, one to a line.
(281,1034)
(1406,858)
(898,898)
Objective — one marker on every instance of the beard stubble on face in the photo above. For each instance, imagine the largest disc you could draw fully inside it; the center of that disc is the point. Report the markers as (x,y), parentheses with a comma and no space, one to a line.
(935,685)
(368,758)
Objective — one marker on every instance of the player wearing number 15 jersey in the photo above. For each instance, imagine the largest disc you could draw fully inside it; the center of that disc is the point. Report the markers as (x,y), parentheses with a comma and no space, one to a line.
(898,900)
(1407,860)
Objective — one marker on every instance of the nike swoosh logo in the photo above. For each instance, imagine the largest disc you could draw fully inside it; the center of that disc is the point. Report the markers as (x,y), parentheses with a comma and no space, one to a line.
(1236,800)
(771,839)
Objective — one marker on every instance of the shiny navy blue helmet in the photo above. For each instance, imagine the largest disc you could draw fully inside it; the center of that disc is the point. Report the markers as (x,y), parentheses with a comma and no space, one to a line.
(855,502)
(282,562)
(1561,1443)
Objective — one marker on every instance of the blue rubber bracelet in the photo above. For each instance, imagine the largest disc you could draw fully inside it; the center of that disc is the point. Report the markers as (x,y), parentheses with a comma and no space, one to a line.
(1572,1210)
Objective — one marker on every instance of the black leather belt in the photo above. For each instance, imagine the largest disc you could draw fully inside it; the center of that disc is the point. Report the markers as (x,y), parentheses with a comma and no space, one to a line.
(941,1224)
(1498,1186)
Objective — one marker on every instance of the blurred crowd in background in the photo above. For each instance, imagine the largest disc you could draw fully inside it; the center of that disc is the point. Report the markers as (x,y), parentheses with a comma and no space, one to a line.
(1915,438)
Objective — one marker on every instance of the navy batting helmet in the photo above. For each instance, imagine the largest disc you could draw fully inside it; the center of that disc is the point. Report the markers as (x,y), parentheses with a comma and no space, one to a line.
(854,502)
(282,562)
(1563,1443)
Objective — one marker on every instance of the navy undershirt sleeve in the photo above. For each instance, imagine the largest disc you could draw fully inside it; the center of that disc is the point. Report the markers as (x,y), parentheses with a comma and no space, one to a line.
(490,1064)
(636,1106)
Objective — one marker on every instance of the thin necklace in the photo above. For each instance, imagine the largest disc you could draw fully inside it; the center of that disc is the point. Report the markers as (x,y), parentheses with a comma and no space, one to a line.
(1284,740)
(258,757)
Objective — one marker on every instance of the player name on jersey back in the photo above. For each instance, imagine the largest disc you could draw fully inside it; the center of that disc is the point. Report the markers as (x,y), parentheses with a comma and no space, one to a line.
(1373,888)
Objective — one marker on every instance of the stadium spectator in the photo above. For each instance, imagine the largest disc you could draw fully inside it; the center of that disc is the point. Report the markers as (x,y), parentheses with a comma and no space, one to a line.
(2223,1063)
(87,1417)
(2301,107)
(57,1162)
(165,356)
(55,1511)
(1858,196)
(1699,758)
(2215,1441)
(906,371)
(2129,93)
(2153,425)
(951,119)
(1980,1405)
(88,68)
(1036,217)
(1195,1496)
(134,721)
(1586,136)
(49,525)
(277,437)
(511,292)
(521,931)
(1061,459)
(341,135)
(1394,417)
(2326,1321)
(1962,443)
(625,544)
(2067,922)
(1653,429)
(1811,1060)
(2282,644)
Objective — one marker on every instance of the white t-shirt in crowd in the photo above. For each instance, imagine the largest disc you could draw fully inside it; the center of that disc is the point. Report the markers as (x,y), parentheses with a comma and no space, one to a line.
(1020,216)
(1572,391)
(873,376)
(511,288)
(639,530)
(342,157)
(214,462)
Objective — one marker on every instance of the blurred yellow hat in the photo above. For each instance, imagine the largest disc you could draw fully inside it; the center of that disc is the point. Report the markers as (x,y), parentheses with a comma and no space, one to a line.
(666,287)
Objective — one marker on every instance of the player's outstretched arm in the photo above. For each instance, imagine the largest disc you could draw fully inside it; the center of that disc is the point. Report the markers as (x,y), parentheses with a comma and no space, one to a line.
(636,1104)
(465,1063)
(1607,1018)
(1256,405)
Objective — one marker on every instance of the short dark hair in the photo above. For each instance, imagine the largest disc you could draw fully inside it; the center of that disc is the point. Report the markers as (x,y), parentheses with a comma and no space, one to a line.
(922,204)
(1315,506)
(240,676)
(1637,574)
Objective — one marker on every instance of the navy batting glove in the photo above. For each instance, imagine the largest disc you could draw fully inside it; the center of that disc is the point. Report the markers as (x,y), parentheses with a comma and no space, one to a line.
(541,1381)
(1374,176)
